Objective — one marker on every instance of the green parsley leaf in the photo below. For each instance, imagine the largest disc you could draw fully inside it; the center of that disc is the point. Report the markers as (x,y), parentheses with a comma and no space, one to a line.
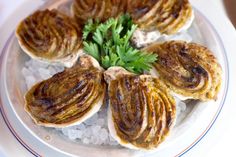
(90,27)
(92,49)
(109,43)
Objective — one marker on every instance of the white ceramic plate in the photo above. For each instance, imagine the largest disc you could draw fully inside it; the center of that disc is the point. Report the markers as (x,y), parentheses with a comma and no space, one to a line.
(44,141)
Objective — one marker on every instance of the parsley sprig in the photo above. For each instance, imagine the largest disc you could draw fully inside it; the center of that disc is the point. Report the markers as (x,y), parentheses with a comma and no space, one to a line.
(109,43)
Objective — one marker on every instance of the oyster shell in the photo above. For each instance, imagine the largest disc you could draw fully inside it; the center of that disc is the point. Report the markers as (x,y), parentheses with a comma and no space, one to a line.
(188,69)
(94,9)
(50,36)
(166,16)
(68,98)
(141,111)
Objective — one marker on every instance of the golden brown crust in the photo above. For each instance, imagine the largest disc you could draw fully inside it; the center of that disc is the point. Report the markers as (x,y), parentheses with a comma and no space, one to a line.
(67,97)
(167,16)
(94,9)
(143,112)
(49,36)
(188,69)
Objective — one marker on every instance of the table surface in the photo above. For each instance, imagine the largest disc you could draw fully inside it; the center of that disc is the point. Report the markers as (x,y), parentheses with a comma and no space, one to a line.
(219,141)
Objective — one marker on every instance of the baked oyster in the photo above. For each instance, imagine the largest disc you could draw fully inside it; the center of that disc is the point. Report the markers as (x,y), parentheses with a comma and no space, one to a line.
(159,19)
(188,69)
(141,111)
(67,98)
(166,16)
(97,9)
(50,36)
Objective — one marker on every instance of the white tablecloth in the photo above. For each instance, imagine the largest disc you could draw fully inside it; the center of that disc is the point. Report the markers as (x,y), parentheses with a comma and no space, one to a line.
(219,141)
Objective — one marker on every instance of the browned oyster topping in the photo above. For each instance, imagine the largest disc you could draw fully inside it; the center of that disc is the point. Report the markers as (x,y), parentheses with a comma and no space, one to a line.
(167,16)
(97,9)
(188,69)
(67,98)
(141,111)
(50,36)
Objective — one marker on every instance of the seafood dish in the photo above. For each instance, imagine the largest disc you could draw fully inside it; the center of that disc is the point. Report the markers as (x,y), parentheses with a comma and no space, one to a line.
(115,67)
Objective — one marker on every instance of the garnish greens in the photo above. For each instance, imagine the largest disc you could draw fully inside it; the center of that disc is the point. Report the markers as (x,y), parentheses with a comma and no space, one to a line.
(109,43)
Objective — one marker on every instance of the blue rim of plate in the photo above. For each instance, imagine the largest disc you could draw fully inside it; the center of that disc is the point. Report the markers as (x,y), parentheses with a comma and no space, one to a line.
(181,153)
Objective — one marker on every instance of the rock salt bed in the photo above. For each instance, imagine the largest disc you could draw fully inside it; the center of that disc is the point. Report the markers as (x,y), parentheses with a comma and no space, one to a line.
(35,71)
(141,39)
(94,130)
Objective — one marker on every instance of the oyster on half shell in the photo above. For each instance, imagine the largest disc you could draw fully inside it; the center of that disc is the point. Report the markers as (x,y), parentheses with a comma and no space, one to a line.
(67,98)
(166,16)
(188,69)
(97,9)
(50,36)
(141,111)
